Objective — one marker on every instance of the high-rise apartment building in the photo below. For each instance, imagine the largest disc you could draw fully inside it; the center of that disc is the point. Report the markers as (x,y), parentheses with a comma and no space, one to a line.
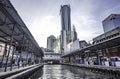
(111,22)
(50,42)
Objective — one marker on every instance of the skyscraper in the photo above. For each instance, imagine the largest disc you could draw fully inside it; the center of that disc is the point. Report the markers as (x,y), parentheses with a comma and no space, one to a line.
(65,17)
(74,34)
(68,34)
(111,22)
(50,42)
(66,26)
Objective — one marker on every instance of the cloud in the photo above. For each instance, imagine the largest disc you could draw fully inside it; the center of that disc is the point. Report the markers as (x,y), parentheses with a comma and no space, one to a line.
(42,16)
(42,27)
(85,26)
(85,22)
(113,10)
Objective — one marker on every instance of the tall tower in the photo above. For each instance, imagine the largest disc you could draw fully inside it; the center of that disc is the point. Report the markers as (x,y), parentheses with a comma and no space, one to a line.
(66,26)
(65,17)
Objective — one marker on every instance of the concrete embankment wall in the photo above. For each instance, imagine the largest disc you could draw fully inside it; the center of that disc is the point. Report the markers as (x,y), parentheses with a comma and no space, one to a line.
(113,71)
(22,73)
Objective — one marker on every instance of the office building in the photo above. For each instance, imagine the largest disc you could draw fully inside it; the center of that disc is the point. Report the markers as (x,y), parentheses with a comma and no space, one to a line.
(50,42)
(57,46)
(111,22)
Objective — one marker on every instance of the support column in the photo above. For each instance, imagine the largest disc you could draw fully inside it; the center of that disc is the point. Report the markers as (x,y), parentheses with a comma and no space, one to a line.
(108,55)
(12,58)
(99,56)
(21,50)
(35,59)
(74,57)
(20,59)
(4,53)
(69,59)
(26,59)
(10,45)
(27,43)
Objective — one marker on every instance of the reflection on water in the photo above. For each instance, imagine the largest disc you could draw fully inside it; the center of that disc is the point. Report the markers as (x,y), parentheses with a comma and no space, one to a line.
(68,72)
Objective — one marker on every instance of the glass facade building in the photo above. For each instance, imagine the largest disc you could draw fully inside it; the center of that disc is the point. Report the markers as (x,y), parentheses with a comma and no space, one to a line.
(111,22)
(50,42)
(65,25)
(68,34)
(65,17)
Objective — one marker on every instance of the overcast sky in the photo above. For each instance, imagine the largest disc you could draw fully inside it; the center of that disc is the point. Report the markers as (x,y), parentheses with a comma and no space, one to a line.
(42,16)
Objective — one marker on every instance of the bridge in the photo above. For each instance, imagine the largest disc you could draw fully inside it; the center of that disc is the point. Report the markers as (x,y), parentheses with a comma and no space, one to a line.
(51,57)
(22,58)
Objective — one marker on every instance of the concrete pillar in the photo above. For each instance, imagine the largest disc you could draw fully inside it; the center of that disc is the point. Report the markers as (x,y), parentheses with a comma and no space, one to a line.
(74,57)
(69,59)
(12,58)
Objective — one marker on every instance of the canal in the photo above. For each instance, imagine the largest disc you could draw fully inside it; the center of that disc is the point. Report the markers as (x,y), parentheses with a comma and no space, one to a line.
(67,72)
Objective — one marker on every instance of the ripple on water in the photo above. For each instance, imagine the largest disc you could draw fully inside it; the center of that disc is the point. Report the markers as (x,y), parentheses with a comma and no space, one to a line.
(68,72)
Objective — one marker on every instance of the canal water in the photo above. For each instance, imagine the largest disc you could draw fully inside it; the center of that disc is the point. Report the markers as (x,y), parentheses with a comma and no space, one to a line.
(68,72)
